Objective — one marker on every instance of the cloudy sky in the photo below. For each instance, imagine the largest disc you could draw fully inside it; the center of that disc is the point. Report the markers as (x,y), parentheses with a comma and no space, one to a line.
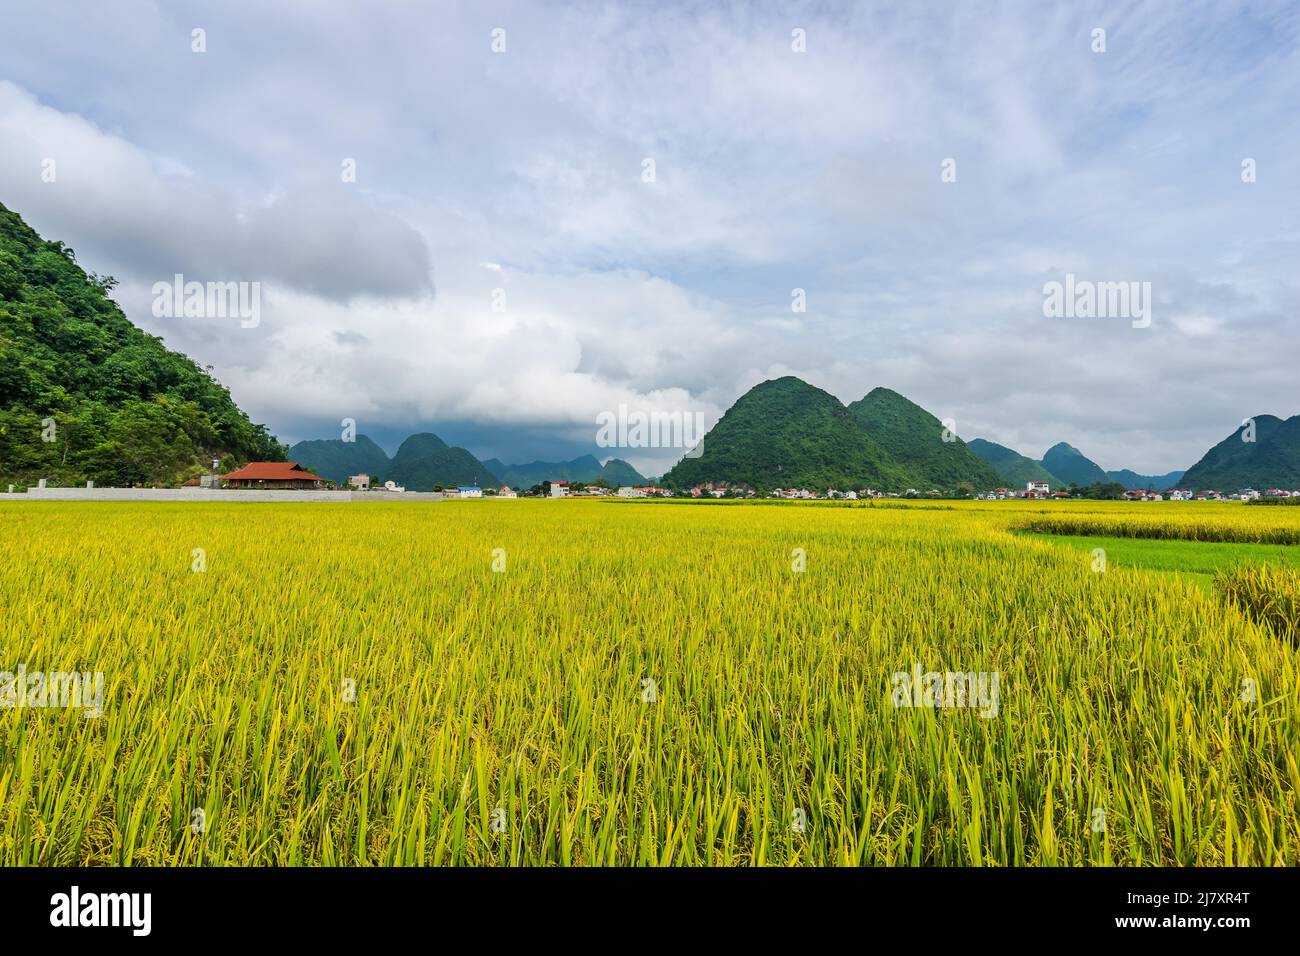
(524,170)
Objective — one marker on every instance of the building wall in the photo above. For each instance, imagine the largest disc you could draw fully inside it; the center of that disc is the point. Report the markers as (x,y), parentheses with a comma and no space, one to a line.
(201,495)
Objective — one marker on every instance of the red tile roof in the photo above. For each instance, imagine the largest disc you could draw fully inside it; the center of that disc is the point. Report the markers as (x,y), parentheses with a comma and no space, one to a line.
(272,471)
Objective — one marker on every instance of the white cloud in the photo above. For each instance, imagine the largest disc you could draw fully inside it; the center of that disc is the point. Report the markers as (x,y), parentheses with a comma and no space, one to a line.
(153,215)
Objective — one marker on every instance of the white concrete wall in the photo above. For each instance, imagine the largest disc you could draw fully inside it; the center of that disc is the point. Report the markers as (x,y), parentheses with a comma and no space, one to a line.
(201,495)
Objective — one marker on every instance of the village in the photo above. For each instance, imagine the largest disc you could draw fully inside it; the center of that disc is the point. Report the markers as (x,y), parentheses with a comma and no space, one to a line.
(1034,490)
(291,477)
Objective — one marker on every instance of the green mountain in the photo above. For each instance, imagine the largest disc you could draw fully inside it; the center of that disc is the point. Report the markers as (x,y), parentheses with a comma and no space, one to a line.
(1131,479)
(915,439)
(425,460)
(1231,456)
(614,472)
(1068,464)
(785,433)
(84,394)
(1015,469)
(1272,460)
(338,460)
(535,472)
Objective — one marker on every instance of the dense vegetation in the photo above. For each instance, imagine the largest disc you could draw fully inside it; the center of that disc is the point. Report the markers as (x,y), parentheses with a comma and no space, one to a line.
(1197,522)
(634,683)
(1099,491)
(787,433)
(1272,460)
(84,394)
(1267,595)
(915,439)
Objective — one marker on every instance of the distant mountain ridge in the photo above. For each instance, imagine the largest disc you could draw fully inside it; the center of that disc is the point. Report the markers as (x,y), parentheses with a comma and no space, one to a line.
(788,433)
(339,460)
(1012,467)
(1062,466)
(423,461)
(785,432)
(1131,479)
(614,472)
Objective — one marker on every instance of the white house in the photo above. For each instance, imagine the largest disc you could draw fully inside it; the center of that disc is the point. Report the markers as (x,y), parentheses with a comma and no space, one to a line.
(627,491)
(559,489)
(507,492)
(360,481)
(469,491)
(1038,487)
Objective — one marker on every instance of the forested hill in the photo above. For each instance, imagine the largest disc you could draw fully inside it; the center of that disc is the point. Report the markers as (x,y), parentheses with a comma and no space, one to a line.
(787,433)
(125,409)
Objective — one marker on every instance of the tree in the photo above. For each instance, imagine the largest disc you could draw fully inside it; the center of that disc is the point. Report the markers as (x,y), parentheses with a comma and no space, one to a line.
(1099,491)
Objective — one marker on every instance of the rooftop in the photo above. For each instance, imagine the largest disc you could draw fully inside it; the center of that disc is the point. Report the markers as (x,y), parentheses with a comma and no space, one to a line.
(272,471)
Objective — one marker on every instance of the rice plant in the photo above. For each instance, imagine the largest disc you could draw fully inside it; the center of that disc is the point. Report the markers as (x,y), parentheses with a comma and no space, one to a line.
(1268,595)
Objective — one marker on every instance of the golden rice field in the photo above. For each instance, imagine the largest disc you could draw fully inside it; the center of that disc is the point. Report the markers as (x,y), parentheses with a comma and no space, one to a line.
(506,716)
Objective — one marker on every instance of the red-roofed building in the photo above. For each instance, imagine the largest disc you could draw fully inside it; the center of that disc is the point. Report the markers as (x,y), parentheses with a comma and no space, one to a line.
(273,474)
